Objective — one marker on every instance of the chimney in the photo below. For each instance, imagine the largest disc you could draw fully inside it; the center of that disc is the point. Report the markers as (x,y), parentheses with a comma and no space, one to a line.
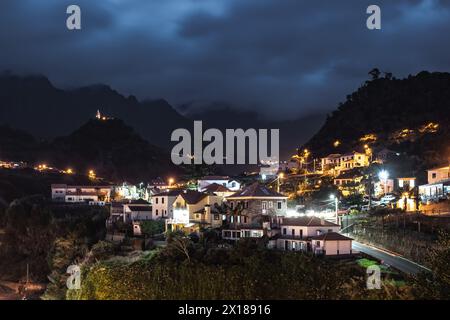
(322,221)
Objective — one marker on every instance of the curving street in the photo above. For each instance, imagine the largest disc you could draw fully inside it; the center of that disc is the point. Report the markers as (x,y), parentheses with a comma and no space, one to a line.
(392,259)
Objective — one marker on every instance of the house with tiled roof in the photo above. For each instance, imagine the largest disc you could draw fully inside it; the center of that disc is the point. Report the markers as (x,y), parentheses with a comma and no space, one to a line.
(225,181)
(257,199)
(308,234)
(253,208)
(163,203)
(193,211)
(81,194)
(219,190)
(312,234)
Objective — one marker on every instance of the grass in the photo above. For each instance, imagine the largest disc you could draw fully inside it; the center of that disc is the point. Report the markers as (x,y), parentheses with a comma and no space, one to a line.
(365,263)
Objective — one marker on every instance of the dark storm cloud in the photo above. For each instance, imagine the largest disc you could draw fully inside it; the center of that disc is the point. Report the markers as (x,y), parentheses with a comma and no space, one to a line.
(283,57)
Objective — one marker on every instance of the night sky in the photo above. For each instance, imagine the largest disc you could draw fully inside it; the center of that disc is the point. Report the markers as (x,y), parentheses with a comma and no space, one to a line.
(282,58)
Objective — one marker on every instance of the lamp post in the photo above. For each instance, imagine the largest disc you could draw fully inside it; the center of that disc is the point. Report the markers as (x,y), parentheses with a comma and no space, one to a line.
(336,203)
(280,176)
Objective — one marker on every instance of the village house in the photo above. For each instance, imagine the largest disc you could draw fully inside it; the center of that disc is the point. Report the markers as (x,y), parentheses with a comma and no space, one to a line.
(163,203)
(256,205)
(349,182)
(193,211)
(81,194)
(330,162)
(334,164)
(219,190)
(331,244)
(225,181)
(307,234)
(131,210)
(138,210)
(313,234)
(296,233)
(438,174)
(406,184)
(438,184)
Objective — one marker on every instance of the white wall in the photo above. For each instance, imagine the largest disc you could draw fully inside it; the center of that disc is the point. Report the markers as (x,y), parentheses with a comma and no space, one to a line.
(438,175)
(308,231)
(163,205)
(333,247)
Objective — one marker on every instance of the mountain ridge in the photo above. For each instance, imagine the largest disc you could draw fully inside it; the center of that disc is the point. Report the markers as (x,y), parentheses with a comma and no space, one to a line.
(34,104)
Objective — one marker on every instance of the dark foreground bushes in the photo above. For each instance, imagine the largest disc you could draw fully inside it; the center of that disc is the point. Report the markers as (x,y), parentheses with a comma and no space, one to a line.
(245,272)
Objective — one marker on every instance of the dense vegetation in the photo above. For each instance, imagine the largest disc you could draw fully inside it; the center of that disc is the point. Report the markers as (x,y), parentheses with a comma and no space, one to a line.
(385,105)
(34,229)
(185,270)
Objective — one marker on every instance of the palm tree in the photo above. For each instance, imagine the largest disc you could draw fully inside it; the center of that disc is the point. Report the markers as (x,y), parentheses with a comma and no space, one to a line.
(228,211)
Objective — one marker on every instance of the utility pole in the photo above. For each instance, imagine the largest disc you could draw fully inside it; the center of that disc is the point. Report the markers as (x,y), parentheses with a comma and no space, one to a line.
(336,202)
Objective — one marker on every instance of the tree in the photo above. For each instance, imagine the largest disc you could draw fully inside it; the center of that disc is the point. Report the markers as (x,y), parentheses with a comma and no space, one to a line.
(375,73)
(436,285)
(179,242)
(152,227)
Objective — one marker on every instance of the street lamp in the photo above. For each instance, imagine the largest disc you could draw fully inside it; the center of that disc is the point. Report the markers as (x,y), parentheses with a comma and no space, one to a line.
(336,202)
(384,175)
(280,176)
(91,174)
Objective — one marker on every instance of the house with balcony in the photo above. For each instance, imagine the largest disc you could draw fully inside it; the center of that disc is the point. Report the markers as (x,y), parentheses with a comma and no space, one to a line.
(194,211)
(312,234)
(438,186)
(81,194)
(252,212)
(334,164)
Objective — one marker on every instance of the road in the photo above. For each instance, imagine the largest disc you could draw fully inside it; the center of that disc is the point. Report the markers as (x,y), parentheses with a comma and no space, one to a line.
(394,260)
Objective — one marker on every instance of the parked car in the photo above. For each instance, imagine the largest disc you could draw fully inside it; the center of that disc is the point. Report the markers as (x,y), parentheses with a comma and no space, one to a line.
(388,198)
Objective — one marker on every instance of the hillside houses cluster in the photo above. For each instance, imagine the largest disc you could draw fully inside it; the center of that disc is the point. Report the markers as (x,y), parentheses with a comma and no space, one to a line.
(254,211)
(348,175)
